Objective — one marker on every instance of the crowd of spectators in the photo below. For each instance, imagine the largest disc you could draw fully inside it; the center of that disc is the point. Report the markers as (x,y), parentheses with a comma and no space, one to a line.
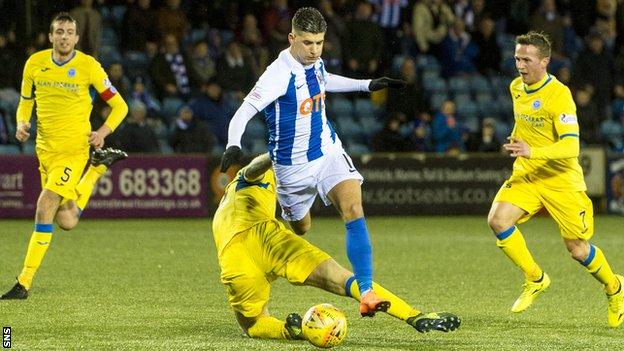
(184,67)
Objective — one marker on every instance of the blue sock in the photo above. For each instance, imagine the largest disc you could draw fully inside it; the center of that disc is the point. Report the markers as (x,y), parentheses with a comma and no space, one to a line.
(360,253)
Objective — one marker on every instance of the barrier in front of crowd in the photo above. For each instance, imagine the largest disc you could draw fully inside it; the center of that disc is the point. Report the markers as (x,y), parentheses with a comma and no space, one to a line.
(406,184)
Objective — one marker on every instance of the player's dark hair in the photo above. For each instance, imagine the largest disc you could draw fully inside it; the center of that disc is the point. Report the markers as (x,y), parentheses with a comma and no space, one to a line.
(538,39)
(62,17)
(309,19)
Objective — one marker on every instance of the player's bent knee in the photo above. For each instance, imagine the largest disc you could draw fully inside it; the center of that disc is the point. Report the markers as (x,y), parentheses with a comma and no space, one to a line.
(497,223)
(352,211)
(67,224)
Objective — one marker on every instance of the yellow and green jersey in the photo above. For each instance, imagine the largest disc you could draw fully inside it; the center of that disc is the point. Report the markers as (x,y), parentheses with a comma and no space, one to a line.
(545,113)
(244,204)
(64,95)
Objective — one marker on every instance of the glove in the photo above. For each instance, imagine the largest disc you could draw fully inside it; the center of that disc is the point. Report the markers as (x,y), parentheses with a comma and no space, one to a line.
(385,82)
(231,155)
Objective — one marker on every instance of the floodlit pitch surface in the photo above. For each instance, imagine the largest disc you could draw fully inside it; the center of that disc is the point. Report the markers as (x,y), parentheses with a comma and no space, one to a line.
(154,284)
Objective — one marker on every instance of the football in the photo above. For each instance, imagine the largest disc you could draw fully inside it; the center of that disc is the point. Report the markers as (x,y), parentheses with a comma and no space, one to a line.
(324,325)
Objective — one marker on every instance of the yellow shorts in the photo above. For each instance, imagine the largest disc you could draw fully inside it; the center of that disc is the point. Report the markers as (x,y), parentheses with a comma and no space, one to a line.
(255,258)
(61,172)
(572,210)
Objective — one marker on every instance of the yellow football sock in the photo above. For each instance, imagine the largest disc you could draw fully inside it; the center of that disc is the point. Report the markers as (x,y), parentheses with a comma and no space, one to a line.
(513,245)
(268,328)
(37,247)
(597,265)
(86,184)
(398,307)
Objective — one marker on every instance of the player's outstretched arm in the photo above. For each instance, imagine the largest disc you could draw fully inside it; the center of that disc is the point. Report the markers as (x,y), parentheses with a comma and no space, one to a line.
(238,123)
(258,166)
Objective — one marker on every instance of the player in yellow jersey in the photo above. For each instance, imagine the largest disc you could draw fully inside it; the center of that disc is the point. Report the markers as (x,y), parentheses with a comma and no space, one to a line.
(63,82)
(254,249)
(546,173)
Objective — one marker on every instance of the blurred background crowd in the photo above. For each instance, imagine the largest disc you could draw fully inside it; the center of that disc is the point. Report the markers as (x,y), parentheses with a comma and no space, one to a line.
(184,67)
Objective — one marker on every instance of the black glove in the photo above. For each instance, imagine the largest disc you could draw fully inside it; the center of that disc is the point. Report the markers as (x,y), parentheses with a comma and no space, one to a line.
(231,155)
(385,82)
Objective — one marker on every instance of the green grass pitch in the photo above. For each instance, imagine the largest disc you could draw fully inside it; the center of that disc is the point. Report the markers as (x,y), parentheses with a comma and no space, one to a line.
(154,284)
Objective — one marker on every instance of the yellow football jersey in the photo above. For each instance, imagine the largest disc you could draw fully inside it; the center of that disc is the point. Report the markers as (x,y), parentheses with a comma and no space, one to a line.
(545,113)
(64,95)
(244,205)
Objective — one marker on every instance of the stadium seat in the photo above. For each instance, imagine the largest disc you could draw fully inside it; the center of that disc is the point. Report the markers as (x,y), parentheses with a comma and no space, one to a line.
(427,63)
(488,108)
(364,108)
(480,85)
(28,148)
(484,97)
(459,85)
(437,99)
(135,64)
(370,126)
(256,129)
(170,107)
(108,55)
(109,36)
(258,146)
(357,149)
(435,84)
(117,14)
(618,107)
(462,99)
(342,107)
(500,84)
(351,130)
(472,122)
(165,148)
(9,150)
(503,129)
(467,109)
(217,151)
(505,106)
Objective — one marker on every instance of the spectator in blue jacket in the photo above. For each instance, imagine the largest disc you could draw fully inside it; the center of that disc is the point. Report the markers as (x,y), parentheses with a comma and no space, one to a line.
(446,131)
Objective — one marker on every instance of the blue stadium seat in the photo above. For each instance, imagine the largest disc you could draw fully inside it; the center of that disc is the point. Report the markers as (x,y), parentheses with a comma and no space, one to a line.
(472,122)
(340,106)
(617,107)
(459,85)
(437,99)
(117,14)
(480,85)
(501,84)
(364,108)
(108,55)
(170,107)
(256,129)
(217,150)
(9,150)
(370,125)
(427,63)
(503,130)
(258,146)
(109,36)
(135,64)
(430,75)
(357,149)
(467,109)
(505,106)
(28,148)
(462,99)
(435,85)
(488,108)
(484,97)
(165,148)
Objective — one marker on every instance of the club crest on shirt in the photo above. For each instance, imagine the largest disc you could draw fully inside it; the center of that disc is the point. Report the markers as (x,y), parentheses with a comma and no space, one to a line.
(567,119)
(71,73)
(536,104)
(320,78)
